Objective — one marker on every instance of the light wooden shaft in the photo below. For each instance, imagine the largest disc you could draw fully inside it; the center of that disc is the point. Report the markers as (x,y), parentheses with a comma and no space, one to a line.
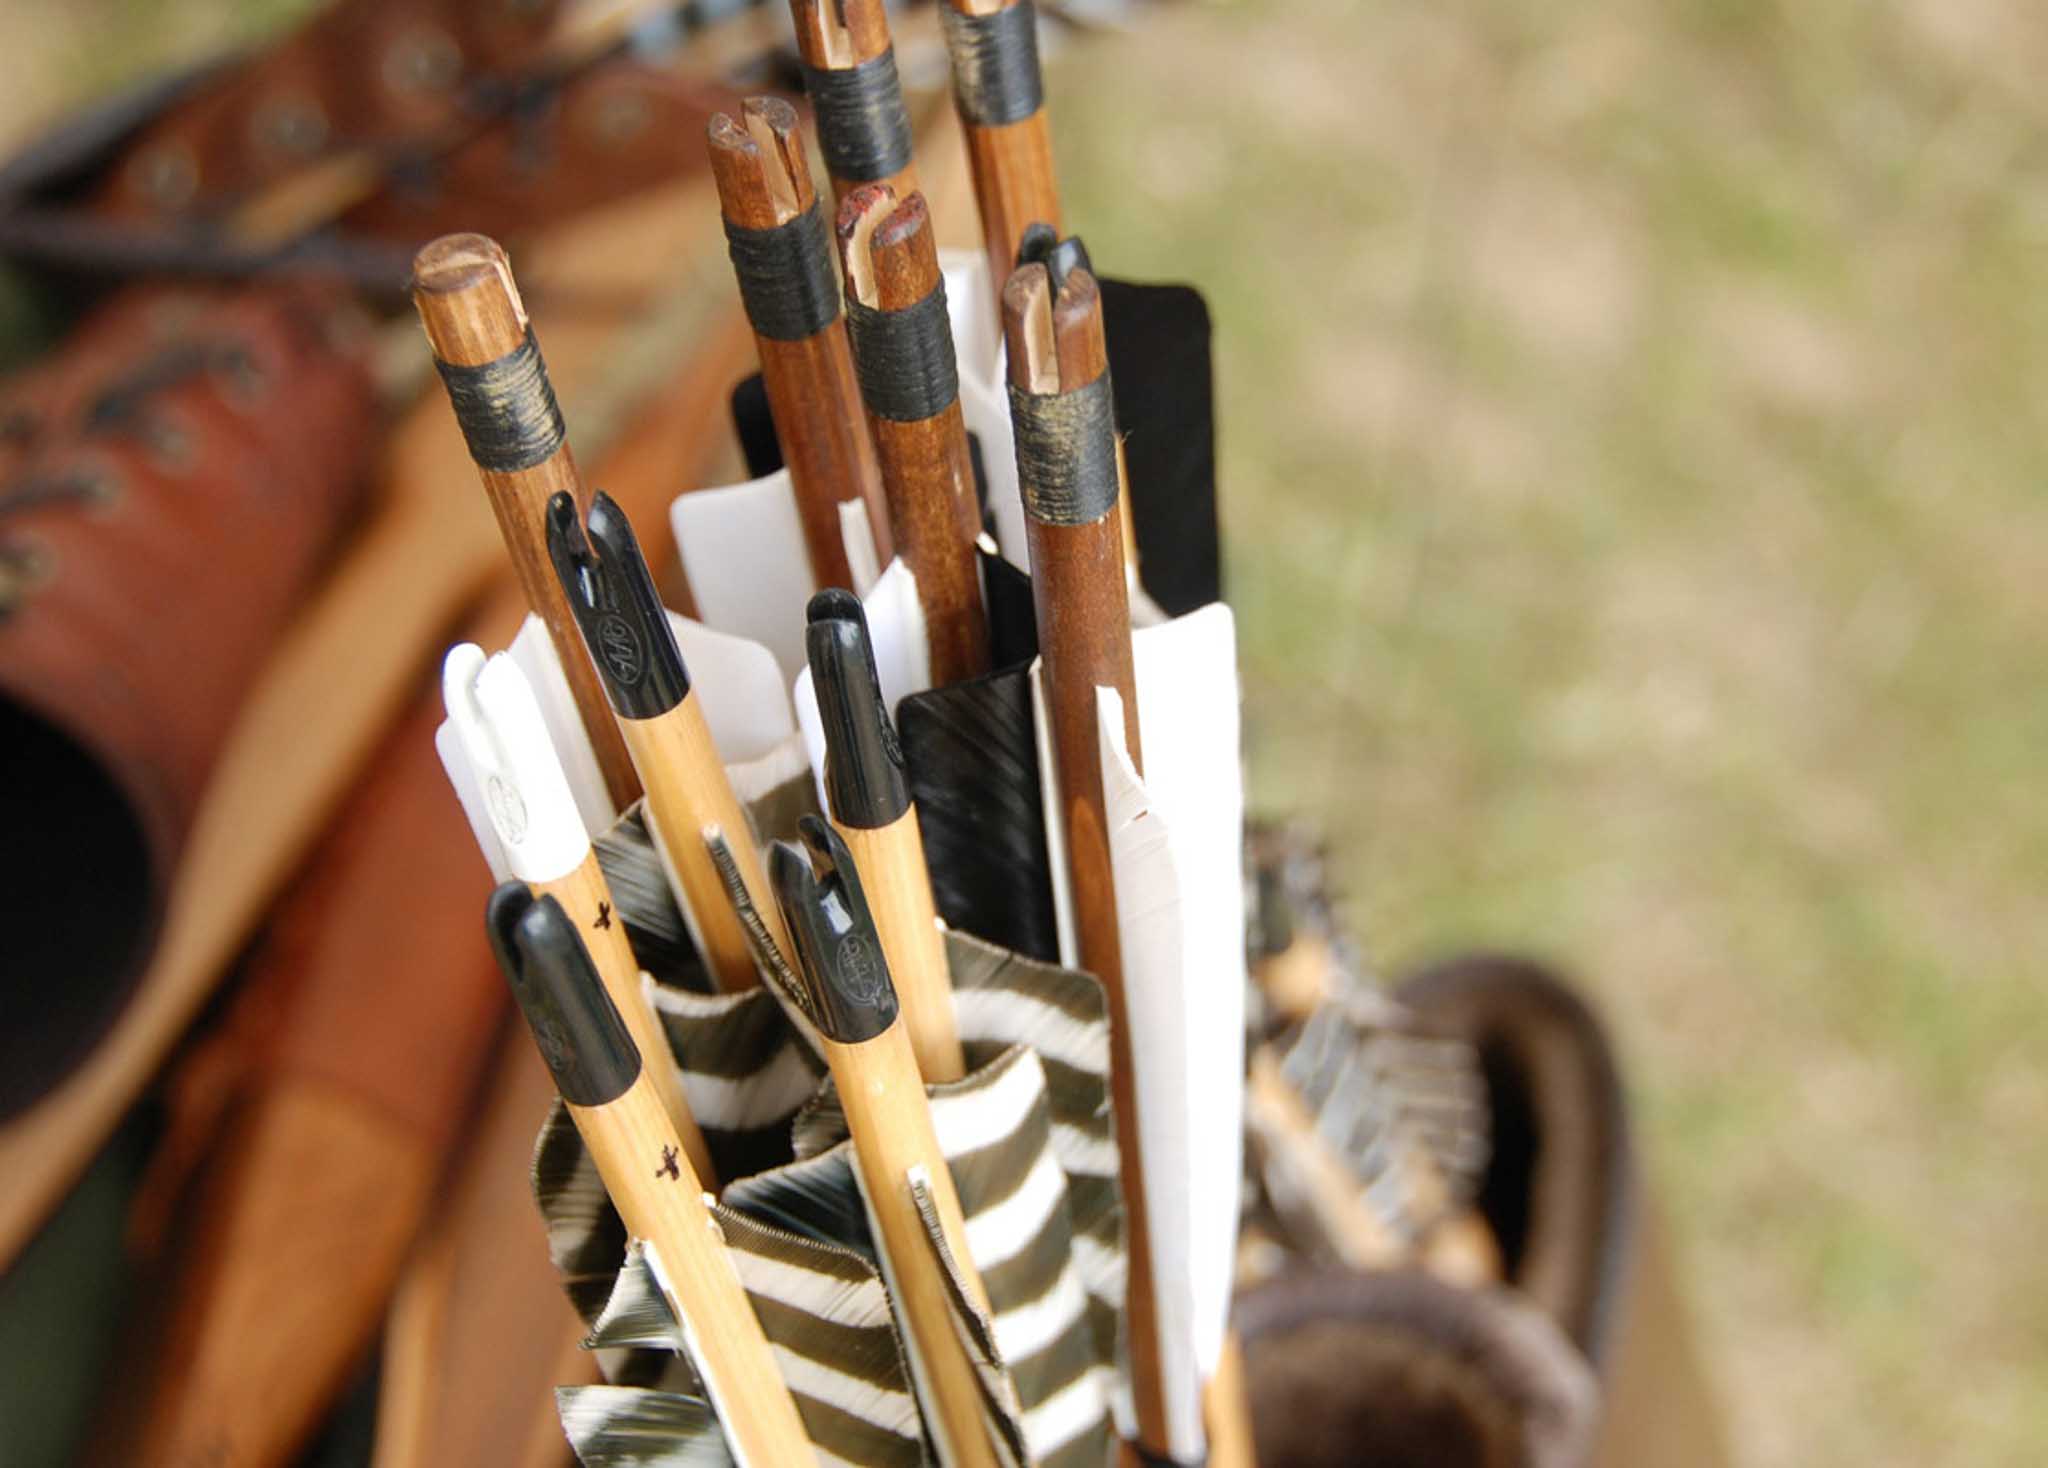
(588,901)
(891,1124)
(687,793)
(1013,187)
(890,860)
(1357,1235)
(1227,1411)
(1297,978)
(661,1202)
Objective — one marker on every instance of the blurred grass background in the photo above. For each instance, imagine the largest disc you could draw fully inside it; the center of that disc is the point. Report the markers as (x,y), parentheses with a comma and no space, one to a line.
(1633,464)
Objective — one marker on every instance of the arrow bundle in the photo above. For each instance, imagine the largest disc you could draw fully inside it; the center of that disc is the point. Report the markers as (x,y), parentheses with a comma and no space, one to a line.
(893,984)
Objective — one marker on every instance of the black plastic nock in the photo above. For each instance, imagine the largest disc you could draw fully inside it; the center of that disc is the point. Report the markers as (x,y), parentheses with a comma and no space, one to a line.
(1041,245)
(617,608)
(864,781)
(573,1019)
(846,981)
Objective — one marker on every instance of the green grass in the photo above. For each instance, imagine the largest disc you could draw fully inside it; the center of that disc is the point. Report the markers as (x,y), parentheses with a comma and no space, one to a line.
(1634,464)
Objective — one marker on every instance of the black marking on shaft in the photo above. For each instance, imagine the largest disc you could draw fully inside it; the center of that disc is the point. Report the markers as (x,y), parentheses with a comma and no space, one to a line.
(670,1165)
(904,359)
(1066,453)
(996,79)
(863,128)
(785,275)
(604,916)
(506,409)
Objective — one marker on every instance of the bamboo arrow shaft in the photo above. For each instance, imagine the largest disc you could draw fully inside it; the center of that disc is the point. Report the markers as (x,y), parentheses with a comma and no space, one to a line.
(687,794)
(588,901)
(661,1201)
(891,1124)
(892,868)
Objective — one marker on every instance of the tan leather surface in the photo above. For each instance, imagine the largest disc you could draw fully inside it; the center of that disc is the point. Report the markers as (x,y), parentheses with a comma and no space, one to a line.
(1660,1406)
(612,131)
(162,522)
(405,120)
(363,73)
(246,1367)
(386,986)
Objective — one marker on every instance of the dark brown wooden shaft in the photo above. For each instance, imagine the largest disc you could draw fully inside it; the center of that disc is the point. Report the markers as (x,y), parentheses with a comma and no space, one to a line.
(467,300)
(1084,637)
(764,181)
(837,35)
(892,264)
(1013,176)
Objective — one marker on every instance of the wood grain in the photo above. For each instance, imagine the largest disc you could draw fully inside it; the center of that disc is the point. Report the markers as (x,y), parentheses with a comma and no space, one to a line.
(1013,187)
(473,314)
(479,1330)
(890,256)
(359,1184)
(588,901)
(662,1203)
(891,1124)
(890,861)
(764,180)
(688,793)
(1084,638)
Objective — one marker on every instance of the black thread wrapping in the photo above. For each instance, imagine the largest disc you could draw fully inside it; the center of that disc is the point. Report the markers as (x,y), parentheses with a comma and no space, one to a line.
(785,276)
(863,129)
(996,80)
(904,359)
(506,409)
(1066,453)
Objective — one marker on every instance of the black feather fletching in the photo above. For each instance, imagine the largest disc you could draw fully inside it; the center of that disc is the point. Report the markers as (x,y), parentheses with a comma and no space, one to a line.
(973,766)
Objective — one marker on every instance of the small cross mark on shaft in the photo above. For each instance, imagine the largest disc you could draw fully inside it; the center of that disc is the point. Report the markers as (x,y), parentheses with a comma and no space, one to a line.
(669,1166)
(604,915)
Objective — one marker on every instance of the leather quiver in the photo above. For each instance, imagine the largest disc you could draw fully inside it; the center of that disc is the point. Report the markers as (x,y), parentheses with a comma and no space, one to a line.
(1580,1355)
(170,481)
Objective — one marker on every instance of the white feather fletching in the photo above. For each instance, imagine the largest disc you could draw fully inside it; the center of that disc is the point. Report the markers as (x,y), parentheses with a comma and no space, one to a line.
(984,394)
(743,552)
(1175,841)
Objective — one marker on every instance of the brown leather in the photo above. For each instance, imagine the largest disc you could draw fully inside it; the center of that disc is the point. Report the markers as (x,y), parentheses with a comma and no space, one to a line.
(362,73)
(388,988)
(1405,1371)
(605,134)
(1560,1188)
(169,482)
(369,1013)
(443,108)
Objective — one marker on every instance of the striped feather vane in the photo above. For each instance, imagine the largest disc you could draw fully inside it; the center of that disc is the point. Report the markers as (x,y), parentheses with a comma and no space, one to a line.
(1027,1135)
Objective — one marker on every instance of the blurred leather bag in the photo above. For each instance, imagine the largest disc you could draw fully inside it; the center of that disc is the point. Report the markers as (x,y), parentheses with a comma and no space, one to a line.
(1581,1355)
(170,481)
